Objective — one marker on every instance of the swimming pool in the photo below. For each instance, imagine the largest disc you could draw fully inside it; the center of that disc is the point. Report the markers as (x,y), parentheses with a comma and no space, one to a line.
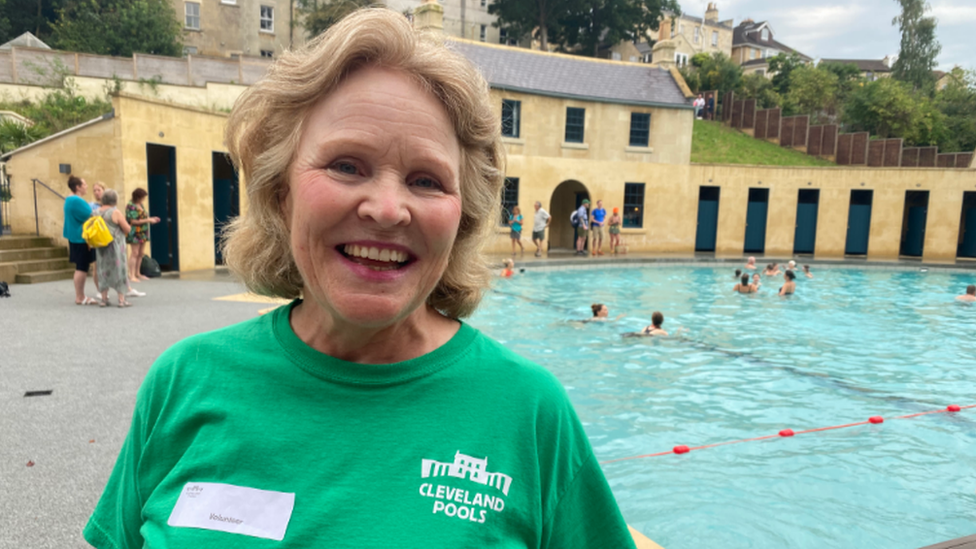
(850,344)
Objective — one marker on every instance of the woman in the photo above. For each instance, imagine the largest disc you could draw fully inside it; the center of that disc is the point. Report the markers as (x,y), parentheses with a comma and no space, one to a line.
(509,269)
(136,215)
(374,165)
(743,286)
(806,271)
(751,264)
(756,282)
(111,264)
(614,229)
(76,211)
(788,286)
(515,221)
(657,319)
(601,314)
(97,190)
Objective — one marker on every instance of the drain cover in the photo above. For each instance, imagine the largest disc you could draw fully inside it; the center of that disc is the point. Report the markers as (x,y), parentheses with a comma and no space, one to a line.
(38,393)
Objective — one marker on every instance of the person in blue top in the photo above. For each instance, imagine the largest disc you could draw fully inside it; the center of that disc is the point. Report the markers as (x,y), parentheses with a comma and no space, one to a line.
(583,225)
(598,219)
(76,212)
(515,221)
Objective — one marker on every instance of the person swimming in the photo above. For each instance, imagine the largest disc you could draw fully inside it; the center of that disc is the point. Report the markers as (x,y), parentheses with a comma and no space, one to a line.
(601,314)
(738,274)
(756,282)
(970,295)
(655,329)
(743,287)
(509,269)
(806,271)
(789,286)
(751,264)
(791,266)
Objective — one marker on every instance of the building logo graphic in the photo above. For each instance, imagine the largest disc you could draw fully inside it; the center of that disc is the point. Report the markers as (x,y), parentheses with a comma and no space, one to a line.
(475,469)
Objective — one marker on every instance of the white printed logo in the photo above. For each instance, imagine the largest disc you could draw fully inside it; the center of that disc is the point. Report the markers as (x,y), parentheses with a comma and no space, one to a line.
(463,504)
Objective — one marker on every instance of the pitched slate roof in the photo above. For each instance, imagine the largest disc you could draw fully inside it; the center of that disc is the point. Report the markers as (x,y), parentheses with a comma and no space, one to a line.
(752,62)
(863,65)
(567,76)
(743,35)
(693,19)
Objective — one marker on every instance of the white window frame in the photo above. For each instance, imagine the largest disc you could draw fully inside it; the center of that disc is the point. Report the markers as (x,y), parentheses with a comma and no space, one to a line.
(484,33)
(697,34)
(266,23)
(229,2)
(714,38)
(187,15)
(765,35)
(681,59)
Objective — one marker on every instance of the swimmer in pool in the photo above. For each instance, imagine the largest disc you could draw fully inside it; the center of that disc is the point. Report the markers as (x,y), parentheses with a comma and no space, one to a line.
(756,282)
(789,286)
(970,294)
(601,314)
(806,271)
(657,319)
(751,264)
(509,269)
(791,266)
(738,274)
(743,287)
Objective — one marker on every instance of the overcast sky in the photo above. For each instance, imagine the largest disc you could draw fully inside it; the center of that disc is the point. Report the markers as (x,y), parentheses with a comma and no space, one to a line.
(852,29)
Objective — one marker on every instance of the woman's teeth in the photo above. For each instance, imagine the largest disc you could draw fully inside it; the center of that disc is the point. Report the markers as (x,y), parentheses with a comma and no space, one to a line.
(375,254)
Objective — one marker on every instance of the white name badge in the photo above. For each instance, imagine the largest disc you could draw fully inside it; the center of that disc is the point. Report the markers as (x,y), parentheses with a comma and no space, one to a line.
(233,509)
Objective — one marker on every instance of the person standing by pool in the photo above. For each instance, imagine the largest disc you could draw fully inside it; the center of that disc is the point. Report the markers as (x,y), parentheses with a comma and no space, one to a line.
(788,286)
(515,221)
(655,329)
(539,224)
(597,218)
(743,286)
(582,226)
(970,295)
(614,229)
(76,212)
(751,264)
(373,162)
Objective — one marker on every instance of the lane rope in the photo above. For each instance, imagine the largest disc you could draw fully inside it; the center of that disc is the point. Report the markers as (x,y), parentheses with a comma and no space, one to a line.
(784,433)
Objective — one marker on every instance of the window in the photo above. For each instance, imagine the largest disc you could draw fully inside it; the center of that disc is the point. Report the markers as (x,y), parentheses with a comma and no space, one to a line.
(231,2)
(267,19)
(752,53)
(765,35)
(575,120)
(697,34)
(267,53)
(633,205)
(189,50)
(640,129)
(192,10)
(484,2)
(502,36)
(761,72)
(484,32)
(509,198)
(681,59)
(714,38)
(615,56)
(511,115)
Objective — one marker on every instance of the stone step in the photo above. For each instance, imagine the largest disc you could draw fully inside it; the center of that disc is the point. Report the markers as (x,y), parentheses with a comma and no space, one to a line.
(19,242)
(25,254)
(44,276)
(33,265)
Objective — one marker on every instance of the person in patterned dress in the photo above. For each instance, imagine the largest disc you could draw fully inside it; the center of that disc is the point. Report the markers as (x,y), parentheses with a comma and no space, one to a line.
(139,220)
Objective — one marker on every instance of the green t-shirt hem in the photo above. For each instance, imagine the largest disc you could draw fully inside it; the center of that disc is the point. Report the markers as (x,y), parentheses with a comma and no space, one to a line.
(96,537)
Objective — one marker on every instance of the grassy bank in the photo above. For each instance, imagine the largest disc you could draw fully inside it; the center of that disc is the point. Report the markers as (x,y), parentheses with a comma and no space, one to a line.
(713,143)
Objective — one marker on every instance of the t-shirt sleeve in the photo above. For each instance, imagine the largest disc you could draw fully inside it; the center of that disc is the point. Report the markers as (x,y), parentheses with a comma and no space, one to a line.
(587,515)
(80,210)
(117,518)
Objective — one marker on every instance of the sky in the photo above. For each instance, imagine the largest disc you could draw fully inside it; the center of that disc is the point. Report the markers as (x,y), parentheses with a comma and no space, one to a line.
(852,29)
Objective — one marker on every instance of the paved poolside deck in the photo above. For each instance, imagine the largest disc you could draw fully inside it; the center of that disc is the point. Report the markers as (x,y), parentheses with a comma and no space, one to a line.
(968,542)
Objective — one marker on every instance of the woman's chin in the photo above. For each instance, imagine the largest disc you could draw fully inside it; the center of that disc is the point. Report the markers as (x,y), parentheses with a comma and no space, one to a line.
(371,312)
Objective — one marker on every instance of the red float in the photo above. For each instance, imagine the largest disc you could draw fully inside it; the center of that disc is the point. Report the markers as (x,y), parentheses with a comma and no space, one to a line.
(953,408)
(876,419)
(681,449)
(786,433)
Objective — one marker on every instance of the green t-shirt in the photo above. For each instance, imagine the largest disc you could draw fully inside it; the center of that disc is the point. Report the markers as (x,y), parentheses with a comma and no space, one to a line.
(467,446)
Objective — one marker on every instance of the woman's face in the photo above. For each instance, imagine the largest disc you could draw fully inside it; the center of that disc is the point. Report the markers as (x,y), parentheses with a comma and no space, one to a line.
(376,174)
(604,312)
(97,191)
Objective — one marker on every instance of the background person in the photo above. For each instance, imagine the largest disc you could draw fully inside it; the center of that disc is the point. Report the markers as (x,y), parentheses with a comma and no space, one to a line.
(515,221)
(111,259)
(614,229)
(508,268)
(655,329)
(806,271)
(345,149)
(136,216)
(789,286)
(743,286)
(598,218)
(970,294)
(76,212)
(539,224)
(582,227)
(756,282)
(97,190)
(750,264)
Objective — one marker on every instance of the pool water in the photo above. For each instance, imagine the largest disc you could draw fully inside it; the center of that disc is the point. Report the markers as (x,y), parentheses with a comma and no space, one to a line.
(848,345)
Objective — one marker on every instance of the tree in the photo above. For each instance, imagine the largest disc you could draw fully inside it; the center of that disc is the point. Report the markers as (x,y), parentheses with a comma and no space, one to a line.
(318,15)
(758,87)
(848,77)
(889,108)
(812,91)
(919,48)
(34,16)
(781,66)
(536,18)
(118,27)
(717,72)
(957,102)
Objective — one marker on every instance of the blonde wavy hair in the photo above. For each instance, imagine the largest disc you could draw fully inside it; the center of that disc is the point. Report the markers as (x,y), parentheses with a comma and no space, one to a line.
(266,124)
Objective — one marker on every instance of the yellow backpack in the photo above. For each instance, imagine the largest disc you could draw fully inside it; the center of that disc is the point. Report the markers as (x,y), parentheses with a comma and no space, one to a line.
(95,232)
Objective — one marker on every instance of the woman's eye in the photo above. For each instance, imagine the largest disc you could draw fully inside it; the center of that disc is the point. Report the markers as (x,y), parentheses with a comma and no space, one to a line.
(425,183)
(347,168)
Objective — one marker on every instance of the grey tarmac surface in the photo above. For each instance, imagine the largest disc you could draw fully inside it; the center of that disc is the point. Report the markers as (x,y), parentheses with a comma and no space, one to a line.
(94,360)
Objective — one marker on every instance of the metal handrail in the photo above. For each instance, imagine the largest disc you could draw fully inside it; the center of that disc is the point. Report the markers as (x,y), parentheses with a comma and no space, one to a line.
(37,222)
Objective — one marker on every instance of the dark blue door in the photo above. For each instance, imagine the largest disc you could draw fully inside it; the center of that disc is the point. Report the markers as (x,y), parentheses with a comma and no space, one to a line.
(913,235)
(161,164)
(805,237)
(707,219)
(859,223)
(226,199)
(967,229)
(756,221)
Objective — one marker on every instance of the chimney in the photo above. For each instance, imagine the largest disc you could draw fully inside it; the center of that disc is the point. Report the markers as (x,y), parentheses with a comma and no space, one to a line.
(662,54)
(429,16)
(664,30)
(711,14)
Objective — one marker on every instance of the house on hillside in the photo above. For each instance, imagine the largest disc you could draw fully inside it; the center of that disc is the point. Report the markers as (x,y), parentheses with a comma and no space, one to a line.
(238,28)
(753,44)
(692,35)
(871,69)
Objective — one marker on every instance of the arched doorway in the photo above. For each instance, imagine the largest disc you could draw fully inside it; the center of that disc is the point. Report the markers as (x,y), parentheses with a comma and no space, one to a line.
(565,198)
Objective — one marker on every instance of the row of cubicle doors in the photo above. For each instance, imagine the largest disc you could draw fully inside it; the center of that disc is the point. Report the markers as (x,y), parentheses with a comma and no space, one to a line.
(858,222)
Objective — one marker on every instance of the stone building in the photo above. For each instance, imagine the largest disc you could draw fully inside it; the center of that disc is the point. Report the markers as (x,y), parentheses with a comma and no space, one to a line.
(870,69)
(753,44)
(467,19)
(238,28)
(692,35)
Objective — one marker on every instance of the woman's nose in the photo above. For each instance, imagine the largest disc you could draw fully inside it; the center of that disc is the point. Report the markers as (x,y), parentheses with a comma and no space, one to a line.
(385,201)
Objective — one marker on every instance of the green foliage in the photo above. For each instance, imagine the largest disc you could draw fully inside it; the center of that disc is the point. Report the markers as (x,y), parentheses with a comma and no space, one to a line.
(690,74)
(919,48)
(14,135)
(318,15)
(781,67)
(20,16)
(113,86)
(889,108)
(812,91)
(60,109)
(713,143)
(957,101)
(848,78)
(758,87)
(118,27)
(715,72)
